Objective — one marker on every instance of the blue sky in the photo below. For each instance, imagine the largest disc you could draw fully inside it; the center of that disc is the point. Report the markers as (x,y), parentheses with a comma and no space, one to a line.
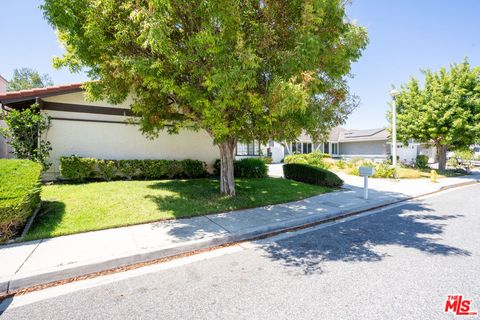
(405,36)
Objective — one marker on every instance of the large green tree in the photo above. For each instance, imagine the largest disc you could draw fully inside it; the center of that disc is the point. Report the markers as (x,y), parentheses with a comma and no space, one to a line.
(444,112)
(239,69)
(26,78)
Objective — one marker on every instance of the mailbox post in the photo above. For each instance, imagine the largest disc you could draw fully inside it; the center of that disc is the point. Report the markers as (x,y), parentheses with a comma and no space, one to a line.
(365,172)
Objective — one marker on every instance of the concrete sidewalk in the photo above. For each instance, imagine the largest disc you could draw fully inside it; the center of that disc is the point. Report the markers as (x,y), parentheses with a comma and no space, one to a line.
(38,262)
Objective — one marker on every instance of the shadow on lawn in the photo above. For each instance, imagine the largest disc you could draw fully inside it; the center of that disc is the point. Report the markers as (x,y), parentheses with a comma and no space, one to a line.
(47,220)
(408,226)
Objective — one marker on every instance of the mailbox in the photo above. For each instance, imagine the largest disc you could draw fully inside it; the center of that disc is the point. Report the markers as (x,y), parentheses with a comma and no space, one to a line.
(366,171)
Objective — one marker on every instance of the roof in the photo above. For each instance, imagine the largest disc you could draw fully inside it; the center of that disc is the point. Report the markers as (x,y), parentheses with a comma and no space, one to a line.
(30,94)
(363,135)
(2,78)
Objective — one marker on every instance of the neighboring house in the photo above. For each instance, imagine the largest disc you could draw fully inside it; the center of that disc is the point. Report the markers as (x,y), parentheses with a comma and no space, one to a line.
(101,130)
(5,150)
(372,144)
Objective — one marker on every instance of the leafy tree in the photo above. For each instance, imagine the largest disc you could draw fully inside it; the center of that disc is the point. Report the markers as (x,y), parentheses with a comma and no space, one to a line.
(24,133)
(444,112)
(26,78)
(241,70)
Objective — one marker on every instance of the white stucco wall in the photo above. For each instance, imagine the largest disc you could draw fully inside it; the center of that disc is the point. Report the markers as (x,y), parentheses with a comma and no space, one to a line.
(117,140)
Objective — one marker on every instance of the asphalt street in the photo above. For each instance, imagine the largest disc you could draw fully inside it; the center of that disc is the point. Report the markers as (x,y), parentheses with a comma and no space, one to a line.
(399,263)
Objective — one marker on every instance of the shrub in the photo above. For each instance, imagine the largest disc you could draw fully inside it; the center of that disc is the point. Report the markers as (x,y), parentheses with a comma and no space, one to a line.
(310,174)
(267,160)
(19,194)
(245,168)
(383,170)
(453,163)
(341,164)
(250,168)
(316,159)
(130,168)
(76,168)
(107,169)
(194,168)
(421,161)
(22,133)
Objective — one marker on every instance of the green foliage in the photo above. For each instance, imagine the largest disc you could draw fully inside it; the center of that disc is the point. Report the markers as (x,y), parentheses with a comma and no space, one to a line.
(465,154)
(453,163)
(267,160)
(341,164)
(77,169)
(316,159)
(421,161)
(245,168)
(310,174)
(241,70)
(130,168)
(26,78)
(382,170)
(22,133)
(446,110)
(107,169)
(19,194)
(250,168)
(194,168)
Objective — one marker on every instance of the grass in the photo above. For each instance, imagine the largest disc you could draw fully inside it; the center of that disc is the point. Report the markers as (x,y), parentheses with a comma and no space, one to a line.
(74,208)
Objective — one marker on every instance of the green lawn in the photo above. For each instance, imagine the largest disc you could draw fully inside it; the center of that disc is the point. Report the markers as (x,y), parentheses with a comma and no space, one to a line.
(74,208)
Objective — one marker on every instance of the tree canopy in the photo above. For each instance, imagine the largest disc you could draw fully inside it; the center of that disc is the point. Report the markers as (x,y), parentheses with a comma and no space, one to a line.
(444,112)
(26,78)
(241,70)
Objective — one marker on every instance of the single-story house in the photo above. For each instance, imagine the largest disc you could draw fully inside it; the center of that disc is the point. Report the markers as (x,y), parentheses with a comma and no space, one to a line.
(372,144)
(102,130)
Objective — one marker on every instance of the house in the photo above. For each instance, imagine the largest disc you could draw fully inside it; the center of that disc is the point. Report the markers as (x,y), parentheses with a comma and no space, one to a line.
(102,130)
(374,144)
(105,131)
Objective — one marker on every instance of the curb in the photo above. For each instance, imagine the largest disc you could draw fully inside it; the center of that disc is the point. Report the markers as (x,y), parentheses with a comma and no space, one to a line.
(26,283)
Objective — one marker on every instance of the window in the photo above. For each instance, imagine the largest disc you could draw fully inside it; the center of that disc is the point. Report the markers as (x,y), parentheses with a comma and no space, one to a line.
(299,147)
(334,148)
(325,148)
(248,149)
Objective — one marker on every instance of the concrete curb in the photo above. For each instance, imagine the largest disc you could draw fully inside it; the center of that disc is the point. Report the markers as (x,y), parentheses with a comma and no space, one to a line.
(49,277)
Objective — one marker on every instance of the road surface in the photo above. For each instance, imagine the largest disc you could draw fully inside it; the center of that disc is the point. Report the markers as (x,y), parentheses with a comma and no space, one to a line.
(399,263)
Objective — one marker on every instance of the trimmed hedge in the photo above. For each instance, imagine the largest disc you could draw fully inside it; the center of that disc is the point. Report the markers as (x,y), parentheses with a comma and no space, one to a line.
(19,194)
(79,169)
(245,168)
(310,174)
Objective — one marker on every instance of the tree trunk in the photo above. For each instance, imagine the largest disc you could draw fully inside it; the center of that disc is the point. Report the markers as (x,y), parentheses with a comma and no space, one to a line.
(441,156)
(227,180)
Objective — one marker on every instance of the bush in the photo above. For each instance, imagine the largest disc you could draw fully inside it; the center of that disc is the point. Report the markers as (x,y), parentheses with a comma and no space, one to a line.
(130,168)
(311,174)
(383,170)
(453,163)
(107,169)
(267,160)
(250,168)
(316,159)
(245,168)
(76,168)
(19,194)
(421,161)
(341,164)
(194,168)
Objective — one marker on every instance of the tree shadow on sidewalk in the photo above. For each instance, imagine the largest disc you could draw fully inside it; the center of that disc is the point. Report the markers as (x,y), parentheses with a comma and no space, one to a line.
(408,226)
